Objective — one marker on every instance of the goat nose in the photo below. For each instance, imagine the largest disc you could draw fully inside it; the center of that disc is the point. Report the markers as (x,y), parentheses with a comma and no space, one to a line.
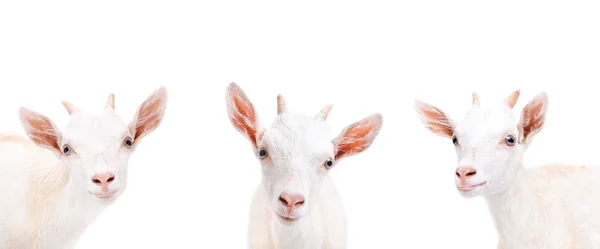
(291,201)
(465,173)
(103,180)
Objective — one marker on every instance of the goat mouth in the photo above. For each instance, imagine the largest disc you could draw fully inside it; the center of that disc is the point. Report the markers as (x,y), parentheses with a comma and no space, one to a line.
(105,195)
(470,187)
(287,218)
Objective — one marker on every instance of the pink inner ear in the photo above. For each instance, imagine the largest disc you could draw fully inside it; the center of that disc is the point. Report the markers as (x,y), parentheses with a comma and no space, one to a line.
(150,114)
(357,137)
(436,120)
(352,142)
(244,117)
(532,118)
(41,130)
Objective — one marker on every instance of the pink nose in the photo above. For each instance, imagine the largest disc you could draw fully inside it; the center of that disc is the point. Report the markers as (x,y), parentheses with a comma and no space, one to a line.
(103,180)
(465,173)
(291,201)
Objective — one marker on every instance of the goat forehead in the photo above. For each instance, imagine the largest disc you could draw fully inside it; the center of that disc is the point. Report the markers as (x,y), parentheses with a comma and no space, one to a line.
(486,123)
(295,136)
(94,131)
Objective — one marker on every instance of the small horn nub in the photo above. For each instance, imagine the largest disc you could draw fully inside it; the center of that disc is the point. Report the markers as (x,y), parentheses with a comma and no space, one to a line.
(512,99)
(322,115)
(110,102)
(69,107)
(475,99)
(281,107)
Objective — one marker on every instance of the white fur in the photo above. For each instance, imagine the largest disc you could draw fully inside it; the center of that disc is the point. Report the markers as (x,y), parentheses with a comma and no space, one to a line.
(550,207)
(42,206)
(47,197)
(298,148)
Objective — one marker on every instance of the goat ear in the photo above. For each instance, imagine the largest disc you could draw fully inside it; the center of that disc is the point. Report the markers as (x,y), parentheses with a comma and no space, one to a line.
(533,118)
(149,115)
(434,119)
(357,137)
(40,129)
(241,113)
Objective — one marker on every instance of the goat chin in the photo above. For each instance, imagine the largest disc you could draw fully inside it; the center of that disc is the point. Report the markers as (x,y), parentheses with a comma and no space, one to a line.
(324,226)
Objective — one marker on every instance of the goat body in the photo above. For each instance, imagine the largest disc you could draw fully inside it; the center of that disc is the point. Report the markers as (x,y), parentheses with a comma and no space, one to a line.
(551,207)
(39,208)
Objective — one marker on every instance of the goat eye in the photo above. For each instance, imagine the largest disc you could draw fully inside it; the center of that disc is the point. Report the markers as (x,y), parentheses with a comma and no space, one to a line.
(510,140)
(328,163)
(66,149)
(128,142)
(455,140)
(262,153)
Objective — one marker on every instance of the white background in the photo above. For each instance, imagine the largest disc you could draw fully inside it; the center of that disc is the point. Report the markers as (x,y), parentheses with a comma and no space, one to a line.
(192,179)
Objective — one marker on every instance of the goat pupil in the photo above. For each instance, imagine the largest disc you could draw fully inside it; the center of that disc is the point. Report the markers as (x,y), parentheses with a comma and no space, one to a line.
(66,149)
(128,142)
(454,140)
(329,163)
(262,153)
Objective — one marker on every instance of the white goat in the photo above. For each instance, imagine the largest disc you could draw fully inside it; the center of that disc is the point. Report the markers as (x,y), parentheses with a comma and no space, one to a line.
(53,186)
(554,206)
(296,205)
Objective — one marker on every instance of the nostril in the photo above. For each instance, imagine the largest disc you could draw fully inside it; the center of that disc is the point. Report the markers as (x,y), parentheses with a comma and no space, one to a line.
(291,201)
(283,201)
(465,172)
(103,179)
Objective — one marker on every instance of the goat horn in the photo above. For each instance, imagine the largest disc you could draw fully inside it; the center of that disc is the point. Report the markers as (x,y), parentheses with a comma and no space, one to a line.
(322,115)
(475,99)
(281,107)
(512,99)
(69,107)
(110,102)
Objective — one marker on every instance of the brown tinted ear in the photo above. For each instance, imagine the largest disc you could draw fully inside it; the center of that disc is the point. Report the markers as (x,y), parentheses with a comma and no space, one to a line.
(149,115)
(40,129)
(533,118)
(241,113)
(434,119)
(357,137)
